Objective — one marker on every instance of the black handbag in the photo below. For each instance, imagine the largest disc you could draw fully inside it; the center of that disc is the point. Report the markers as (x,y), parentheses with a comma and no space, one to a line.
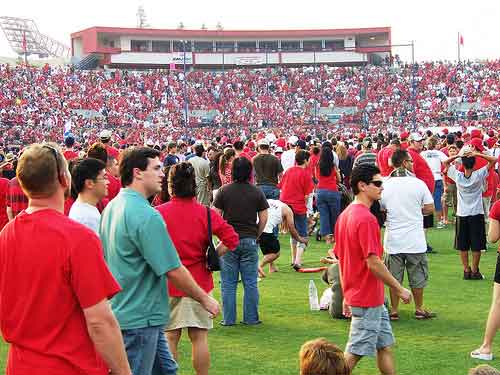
(213,261)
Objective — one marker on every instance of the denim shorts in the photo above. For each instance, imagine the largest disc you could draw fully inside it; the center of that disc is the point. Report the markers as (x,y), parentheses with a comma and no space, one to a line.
(300,224)
(370,331)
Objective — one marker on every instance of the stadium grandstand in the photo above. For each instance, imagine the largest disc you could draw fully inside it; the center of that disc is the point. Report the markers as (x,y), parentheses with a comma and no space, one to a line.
(145,48)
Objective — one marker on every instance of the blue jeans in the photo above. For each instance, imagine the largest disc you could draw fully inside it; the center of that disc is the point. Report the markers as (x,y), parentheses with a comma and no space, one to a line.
(328,202)
(438,193)
(270,191)
(245,260)
(147,351)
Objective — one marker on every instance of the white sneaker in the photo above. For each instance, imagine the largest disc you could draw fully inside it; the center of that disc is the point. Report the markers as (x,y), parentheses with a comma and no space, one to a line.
(476,354)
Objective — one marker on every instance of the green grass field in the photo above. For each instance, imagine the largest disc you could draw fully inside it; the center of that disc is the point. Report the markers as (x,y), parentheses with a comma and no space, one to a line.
(438,346)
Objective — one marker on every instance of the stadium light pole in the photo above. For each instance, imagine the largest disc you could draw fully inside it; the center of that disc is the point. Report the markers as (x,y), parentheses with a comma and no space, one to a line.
(267,84)
(222,88)
(316,93)
(186,118)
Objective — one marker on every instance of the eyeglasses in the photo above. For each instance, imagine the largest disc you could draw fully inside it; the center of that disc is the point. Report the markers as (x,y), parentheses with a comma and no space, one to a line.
(377,183)
(54,152)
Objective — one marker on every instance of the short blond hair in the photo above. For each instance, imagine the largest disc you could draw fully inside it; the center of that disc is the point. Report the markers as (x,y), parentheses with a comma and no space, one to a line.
(37,170)
(321,357)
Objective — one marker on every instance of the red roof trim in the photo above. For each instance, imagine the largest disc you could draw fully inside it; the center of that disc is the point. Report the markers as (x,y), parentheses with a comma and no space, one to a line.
(175,33)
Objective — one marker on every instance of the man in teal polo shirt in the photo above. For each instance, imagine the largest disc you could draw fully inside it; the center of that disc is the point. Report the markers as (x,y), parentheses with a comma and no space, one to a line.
(141,256)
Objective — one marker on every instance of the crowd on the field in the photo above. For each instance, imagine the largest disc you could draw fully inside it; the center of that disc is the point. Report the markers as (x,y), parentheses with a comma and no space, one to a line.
(36,103)
(140,186)
(136,200)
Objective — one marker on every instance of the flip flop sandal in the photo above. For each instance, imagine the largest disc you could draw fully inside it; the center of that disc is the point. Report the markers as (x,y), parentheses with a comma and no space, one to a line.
(424,314)
(394,317)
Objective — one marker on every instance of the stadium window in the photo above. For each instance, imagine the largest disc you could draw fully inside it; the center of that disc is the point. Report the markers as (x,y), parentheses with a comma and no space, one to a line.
(224,46)
(268,45)
(178,46)
(312,45)
(203,46)
(139,45)
(247,46)
(290,45)
(334,45)
(161,45)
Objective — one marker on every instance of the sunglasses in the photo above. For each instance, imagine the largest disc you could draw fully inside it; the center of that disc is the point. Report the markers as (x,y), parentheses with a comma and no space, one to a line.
(54,153)
(377,183)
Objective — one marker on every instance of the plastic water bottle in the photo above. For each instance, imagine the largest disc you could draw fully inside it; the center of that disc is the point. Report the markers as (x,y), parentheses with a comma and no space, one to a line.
(313,296)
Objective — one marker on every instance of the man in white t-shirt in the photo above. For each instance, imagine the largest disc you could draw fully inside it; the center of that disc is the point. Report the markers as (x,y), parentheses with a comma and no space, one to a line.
(434,159)
(91,185)
(278,213)
(288,157)
(406,199)
(470,233)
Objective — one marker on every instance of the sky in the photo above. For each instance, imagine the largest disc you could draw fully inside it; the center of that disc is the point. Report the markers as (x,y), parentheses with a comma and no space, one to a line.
(433,24)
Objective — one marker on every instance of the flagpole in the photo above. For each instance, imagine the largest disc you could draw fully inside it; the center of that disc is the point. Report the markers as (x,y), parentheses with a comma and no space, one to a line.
(458,45)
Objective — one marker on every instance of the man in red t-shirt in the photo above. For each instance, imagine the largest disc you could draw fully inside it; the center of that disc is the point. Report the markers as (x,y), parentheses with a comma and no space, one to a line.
(69,153)
(63,324)
(4,187)
(296,186)
(16,200)
(363,273)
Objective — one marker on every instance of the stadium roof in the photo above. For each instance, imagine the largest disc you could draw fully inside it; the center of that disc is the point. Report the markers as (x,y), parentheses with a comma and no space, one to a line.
(183,33)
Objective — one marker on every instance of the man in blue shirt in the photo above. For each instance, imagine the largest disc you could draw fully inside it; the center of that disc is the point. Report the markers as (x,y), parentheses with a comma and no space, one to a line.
(141,256)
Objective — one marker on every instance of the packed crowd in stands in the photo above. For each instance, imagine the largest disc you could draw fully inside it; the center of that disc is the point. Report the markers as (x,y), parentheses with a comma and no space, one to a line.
(35,103)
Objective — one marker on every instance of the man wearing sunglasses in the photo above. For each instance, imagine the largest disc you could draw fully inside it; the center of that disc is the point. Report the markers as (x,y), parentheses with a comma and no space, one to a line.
(406,199)
(64,323)
(363,273)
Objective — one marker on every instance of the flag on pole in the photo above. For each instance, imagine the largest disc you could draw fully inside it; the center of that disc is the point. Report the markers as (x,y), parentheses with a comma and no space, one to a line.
(461,39)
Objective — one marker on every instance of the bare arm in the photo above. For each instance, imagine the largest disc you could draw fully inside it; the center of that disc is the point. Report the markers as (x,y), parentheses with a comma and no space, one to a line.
(105,333)
(262,222)
(181,278)
(10,215)
(448,161)
(490,159)
(346,309)
(493,231)
(380,271)
(428,209)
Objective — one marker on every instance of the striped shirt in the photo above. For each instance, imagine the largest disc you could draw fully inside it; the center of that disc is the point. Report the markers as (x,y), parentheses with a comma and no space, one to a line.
(365,158)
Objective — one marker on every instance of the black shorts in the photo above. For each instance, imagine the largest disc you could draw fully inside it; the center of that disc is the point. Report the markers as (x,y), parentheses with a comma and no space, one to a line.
(497,270)
(470,233)
(269,244)
(428,221)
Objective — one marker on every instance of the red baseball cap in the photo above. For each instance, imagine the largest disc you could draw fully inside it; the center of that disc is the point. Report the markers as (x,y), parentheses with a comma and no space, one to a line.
(477,143)
(476,133)
(404,135)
